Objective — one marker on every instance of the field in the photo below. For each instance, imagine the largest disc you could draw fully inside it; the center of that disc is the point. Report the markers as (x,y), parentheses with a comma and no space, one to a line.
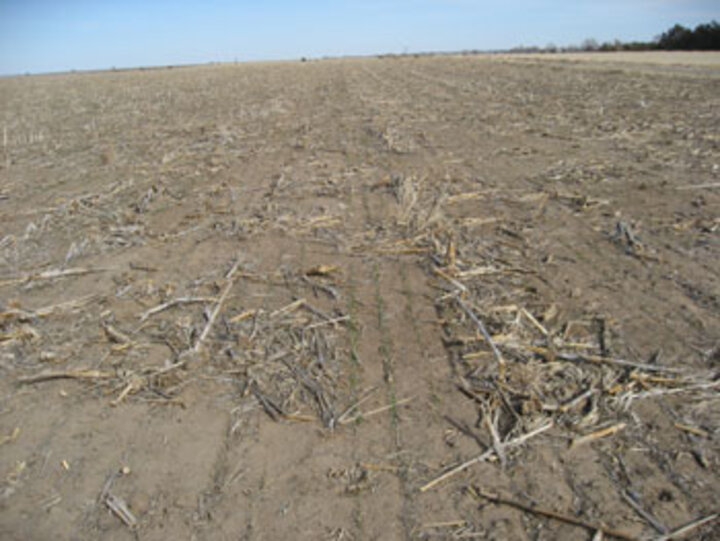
(382,298)
(639,60)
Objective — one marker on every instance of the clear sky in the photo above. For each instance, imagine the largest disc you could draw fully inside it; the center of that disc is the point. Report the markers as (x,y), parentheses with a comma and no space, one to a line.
(57,35)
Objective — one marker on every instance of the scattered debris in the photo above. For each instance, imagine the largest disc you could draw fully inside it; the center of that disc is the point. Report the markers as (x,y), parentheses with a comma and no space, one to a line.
(495,299)
(549,513)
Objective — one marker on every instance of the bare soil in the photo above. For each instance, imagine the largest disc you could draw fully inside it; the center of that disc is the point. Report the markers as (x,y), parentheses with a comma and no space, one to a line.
(281,300)
(678,59)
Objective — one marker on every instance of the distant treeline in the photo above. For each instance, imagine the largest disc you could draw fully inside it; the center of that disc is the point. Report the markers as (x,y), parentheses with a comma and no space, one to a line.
(705,37)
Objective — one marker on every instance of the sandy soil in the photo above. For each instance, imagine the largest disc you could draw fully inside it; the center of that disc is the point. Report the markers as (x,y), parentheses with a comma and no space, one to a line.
(250,301)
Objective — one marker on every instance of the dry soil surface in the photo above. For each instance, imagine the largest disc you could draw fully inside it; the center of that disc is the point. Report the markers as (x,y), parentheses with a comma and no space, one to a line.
(677,59)
(282,301)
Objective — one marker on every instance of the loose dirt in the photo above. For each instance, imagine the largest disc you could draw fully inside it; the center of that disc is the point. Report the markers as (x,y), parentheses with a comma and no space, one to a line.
(398,298)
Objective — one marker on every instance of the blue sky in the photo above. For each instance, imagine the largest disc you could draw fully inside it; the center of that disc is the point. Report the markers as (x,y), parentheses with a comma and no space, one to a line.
(57,35)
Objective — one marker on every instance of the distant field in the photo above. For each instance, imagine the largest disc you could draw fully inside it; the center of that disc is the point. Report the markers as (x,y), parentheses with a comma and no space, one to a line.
(358,299)
(661,58)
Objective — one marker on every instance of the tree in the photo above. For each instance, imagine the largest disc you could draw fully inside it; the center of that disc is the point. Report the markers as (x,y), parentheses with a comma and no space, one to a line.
(678,37)
(705,37)
(590,44)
